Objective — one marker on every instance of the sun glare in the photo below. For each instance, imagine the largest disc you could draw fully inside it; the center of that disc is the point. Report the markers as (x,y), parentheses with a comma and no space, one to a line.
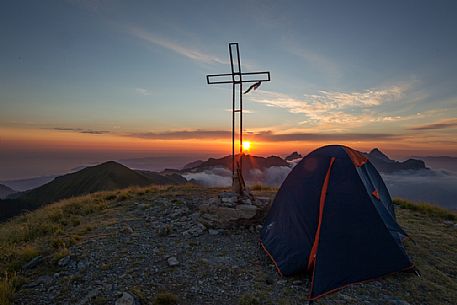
(246,146)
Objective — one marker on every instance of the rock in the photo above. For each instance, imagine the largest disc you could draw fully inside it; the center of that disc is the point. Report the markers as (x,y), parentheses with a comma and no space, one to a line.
(172,261)
(30,285)
(226,214)
(227,195)
(346,298)
(63,261)
(87,299)
(246,201)
(127,229)
(448,223)
(213,232)
(246,211)
(82,265)
(142,206)
(213,201)
(33,262)
(165,230)
(229,201)
(107,287)
(398,302)
(45,279)
(195,230)
(262,200)
(126,299)
(228,198)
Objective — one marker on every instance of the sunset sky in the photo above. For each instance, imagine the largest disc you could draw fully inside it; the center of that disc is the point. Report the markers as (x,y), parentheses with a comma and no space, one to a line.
(86,81)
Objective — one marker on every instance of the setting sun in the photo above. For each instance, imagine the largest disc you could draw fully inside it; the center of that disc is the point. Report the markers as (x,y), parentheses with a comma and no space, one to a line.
(246,146)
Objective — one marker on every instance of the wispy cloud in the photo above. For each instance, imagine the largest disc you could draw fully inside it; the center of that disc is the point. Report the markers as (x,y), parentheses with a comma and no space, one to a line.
(258,135)
(335,107)
(443,124)
(299,136)
(263,135)
(180,49)
(142,91)
(318,61)
(181,134)
(81,130)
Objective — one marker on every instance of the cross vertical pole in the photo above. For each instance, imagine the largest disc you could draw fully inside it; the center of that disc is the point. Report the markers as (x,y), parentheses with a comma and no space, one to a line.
(241,110)
(233,110)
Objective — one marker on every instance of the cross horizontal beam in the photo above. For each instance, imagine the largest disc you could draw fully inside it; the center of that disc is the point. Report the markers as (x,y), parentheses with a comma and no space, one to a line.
(237,78)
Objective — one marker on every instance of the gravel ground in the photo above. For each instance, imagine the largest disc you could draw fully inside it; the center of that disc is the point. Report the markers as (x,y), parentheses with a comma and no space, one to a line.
(155,244)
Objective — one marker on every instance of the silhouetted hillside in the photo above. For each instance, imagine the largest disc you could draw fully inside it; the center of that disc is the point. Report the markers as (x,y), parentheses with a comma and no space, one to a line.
(293,156)
(440,162)
(103,177)
(106,176)
(386,165)
(26,184)
(5,191)
(249,162)
(193,164)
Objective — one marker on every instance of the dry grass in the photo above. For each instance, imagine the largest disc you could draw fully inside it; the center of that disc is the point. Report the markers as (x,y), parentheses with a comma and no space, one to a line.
(166,298)
(262,187)
(51,230)
(426,208)
(7,289)
(433,253)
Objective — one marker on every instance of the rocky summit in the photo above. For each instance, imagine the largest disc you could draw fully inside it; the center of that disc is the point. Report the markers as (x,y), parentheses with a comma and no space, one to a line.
(192,245)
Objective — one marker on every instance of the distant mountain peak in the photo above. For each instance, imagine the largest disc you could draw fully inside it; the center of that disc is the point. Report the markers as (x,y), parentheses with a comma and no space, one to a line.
(293,156)
(377,153)
(384,164)
(106,176)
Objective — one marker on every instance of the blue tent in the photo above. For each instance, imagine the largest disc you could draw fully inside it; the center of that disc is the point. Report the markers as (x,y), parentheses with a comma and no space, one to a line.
(333,219)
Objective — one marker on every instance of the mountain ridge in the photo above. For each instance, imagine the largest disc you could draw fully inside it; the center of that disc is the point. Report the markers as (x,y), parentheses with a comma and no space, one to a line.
(6,191)
(106,176)
(386,165)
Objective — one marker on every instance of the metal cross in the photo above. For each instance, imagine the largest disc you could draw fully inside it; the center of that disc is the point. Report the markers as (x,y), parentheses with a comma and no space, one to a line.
(237,78)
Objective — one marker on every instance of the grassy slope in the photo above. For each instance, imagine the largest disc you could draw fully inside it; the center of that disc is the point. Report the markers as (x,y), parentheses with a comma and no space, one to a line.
(433,254)
(103,177)
(106,176)
(5,191)
(50,230)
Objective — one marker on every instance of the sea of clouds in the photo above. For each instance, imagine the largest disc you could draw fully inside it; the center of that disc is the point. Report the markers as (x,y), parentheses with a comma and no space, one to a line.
(432,186)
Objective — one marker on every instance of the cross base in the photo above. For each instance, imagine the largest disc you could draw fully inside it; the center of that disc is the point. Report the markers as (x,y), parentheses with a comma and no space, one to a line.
(238,184)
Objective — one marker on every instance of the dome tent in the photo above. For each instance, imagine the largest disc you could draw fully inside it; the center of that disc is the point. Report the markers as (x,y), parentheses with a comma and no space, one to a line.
(333,219)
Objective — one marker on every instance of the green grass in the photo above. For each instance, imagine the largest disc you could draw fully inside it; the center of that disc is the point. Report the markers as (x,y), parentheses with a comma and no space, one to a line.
(7,289)
(166,298)
(51,230)
(261,187)
(427,209)
(248,299)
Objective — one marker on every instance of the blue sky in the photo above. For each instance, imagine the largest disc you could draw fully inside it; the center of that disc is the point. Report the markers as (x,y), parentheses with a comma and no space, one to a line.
(137,69)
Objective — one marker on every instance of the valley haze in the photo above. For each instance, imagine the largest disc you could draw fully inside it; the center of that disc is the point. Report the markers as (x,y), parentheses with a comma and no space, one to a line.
(411,179)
